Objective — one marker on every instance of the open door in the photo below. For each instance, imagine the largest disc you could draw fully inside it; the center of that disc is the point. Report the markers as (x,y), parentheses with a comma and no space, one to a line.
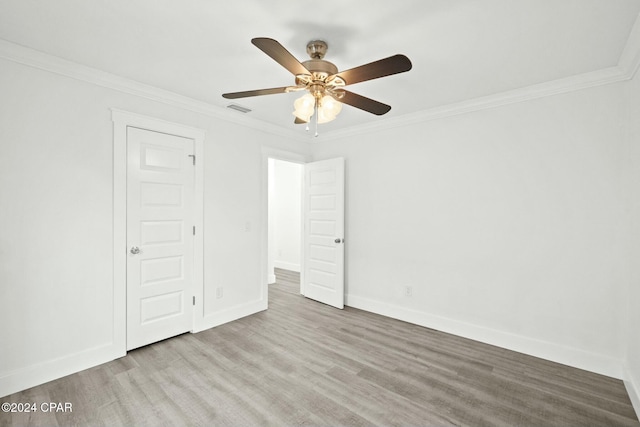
(322,275)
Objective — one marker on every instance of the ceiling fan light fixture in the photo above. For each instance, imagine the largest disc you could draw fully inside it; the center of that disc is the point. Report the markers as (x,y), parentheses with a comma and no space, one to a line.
(328,108)
(304,106)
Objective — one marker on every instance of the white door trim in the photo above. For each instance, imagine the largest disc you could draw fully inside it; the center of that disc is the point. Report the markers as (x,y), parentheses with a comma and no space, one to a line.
(121,121)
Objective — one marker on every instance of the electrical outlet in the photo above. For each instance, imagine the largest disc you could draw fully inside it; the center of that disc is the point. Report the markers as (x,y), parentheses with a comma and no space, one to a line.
(219,292)
(408,291)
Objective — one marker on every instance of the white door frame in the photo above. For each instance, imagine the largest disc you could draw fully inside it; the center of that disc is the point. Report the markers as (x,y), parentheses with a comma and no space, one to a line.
(288,156)
(121,121)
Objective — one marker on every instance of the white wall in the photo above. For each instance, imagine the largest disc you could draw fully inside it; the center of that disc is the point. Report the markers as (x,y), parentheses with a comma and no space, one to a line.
(510,225)
(632,354)
(56,195)
(286,199)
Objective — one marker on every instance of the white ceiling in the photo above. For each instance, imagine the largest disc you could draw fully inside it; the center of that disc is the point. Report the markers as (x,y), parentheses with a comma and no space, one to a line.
(460,49)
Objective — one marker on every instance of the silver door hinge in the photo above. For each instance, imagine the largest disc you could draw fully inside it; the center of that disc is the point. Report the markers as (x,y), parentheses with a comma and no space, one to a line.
(194,230)
(193,157)
(194,300)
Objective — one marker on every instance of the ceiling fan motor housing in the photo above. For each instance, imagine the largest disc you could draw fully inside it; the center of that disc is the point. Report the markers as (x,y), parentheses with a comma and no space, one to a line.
(320,66)
(320,70)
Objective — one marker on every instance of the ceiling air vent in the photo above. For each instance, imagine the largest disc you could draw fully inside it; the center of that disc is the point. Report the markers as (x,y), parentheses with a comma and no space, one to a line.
(239,108)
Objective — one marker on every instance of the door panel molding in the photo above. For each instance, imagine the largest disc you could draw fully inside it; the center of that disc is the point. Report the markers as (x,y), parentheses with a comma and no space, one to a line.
(121,121)
(322,272)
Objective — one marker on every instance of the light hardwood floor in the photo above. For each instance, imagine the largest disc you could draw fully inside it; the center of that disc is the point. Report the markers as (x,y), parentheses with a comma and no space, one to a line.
(305,363)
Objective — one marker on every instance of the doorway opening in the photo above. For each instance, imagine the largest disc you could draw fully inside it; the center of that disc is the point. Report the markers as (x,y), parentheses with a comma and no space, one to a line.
(284,205)
(318,252)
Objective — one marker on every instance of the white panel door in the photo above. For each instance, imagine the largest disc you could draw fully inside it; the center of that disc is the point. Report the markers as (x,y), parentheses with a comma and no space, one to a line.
(323,240)
(160,218)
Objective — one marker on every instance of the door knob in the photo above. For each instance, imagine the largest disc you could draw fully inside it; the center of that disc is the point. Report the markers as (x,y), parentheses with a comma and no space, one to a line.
(135,250)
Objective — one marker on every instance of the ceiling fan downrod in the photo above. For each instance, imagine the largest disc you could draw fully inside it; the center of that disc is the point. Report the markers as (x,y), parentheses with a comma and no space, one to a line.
(317,49)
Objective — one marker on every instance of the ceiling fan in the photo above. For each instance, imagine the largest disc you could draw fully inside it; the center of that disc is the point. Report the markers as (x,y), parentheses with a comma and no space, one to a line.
(323,83)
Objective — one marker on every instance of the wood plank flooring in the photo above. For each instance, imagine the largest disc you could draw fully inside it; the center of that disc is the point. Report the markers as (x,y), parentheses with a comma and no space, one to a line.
(305,363)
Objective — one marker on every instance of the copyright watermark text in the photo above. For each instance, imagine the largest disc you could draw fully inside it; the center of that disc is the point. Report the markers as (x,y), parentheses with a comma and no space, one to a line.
(21,407)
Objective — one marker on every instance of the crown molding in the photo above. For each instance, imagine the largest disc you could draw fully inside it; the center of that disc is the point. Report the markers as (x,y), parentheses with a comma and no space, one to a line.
(627,67)
(630,58)
(555,87)
(43,61)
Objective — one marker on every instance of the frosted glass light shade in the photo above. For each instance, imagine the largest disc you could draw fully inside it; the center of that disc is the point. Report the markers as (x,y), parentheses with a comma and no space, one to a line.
(328,108)
(304,107)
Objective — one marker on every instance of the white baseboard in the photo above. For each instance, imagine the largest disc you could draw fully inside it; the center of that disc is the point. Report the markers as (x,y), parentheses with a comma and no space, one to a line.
(570,356)
(287,266)
(271,278)
(31,376)
(632,384)
(230,314)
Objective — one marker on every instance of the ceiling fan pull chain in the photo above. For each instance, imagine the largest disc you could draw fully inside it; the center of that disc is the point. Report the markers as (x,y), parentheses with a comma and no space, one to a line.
(317,114)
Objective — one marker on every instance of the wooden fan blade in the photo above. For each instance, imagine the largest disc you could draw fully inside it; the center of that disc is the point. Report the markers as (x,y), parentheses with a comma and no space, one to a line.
(299,121)
(362,102)
(281,55)
(259,92)
(373,70)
